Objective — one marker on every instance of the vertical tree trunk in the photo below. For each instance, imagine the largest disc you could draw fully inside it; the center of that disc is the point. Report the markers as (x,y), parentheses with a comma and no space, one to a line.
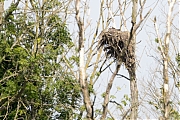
(179,29)
(82,80)
(166,95)
(134,94)
(132,71)
(1,10)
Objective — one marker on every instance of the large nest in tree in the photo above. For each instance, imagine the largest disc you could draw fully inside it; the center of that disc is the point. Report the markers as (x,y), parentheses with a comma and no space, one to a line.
(117,45)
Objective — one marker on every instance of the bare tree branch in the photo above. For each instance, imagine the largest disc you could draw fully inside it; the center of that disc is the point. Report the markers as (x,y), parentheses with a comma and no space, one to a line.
(106,98)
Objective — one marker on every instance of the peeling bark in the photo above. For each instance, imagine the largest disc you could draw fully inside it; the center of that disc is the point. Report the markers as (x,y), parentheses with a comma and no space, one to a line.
(166,95)
(82,80)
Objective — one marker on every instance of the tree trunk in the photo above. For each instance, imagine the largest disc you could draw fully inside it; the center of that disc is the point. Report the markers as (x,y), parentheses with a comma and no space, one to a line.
(132,71)
(1,11)
(134,94)
(166,95)
(82,80)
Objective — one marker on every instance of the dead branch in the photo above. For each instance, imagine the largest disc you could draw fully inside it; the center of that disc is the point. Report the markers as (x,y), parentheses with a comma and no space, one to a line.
(106,98)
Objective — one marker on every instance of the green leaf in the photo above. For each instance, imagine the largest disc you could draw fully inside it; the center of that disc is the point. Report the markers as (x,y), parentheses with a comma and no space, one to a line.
(178,59)
(156,40)
(124,102)
(82,108)
(120,107)
(98,111)
(103,95)
(159,48)
(98,73)
(90,88)
(118,88)
(126,97)
(112,96)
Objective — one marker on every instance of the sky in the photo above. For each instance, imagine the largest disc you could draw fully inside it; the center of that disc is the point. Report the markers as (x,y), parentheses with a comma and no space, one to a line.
(146,64)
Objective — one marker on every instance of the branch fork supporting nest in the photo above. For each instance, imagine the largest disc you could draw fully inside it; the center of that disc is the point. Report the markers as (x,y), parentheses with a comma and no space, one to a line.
(117,44)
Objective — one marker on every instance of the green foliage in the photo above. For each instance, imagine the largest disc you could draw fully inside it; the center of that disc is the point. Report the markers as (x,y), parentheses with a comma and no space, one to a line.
(103,94)
(32,84)
(98,112)
(175,114)
(109,118)
(159,48)
(124,102)
(75,59)
(98,73)
(90,88)
(118,88)
(178,59)
(156,40)
(112,96)
(126,97)
(58,34)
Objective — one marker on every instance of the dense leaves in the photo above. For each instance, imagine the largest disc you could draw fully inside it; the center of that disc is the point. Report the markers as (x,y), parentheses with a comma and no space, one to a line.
(33,85)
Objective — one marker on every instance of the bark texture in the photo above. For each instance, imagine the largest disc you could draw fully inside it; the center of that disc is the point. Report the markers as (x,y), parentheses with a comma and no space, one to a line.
(82,80)
(1,10)
(106,98)
(166,95)
(120,45)
(132,71)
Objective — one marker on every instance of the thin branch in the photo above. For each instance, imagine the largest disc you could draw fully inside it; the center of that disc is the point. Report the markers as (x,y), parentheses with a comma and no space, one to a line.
(123,76)
(17,111)
(126,113)
(5,78)
(120,74)
(106,98)
(115,102)
(69,66)
(139,23)
(6,110)
(111,115)
(15,97)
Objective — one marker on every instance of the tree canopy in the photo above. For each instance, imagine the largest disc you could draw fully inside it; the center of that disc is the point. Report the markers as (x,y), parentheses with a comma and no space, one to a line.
(34,81)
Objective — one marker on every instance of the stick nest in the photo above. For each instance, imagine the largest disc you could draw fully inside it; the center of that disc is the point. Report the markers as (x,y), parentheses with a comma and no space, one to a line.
(115,44)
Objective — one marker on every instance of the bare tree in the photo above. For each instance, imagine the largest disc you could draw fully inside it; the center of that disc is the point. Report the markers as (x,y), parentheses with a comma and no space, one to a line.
(120,45)
(162,91)
(165,54)
(95,61)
